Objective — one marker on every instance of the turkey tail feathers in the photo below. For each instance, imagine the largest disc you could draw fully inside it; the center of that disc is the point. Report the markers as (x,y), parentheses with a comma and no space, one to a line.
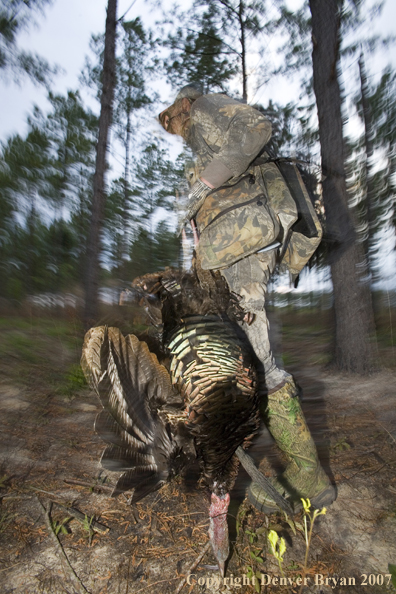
(131,384)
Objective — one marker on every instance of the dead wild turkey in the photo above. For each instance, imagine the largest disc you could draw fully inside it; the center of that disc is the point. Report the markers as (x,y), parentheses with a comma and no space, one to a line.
(204,406)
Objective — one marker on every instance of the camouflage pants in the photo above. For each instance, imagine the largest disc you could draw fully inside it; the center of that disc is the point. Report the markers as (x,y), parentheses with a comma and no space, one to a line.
(248,278)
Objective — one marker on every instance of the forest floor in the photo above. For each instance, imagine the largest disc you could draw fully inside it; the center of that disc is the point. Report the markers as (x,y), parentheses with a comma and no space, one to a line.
(51,482)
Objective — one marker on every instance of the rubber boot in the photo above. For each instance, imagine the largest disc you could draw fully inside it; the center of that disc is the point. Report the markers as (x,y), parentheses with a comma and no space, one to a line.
(303,476)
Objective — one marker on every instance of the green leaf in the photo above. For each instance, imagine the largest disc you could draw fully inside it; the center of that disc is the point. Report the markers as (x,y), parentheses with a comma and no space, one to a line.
(273,539)
(306,504)
(319,513)
(282,547)
(255,557)
(392,571)
(291,524)
(261,530)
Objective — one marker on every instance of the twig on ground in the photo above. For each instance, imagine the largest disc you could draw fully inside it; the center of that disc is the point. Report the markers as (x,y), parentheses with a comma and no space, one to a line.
(192,567)
(77,583)
(10,567)
(36,489)
(90,485)
(9,496)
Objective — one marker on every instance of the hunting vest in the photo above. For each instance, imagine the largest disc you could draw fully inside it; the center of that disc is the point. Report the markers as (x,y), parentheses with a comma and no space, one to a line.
(264,205)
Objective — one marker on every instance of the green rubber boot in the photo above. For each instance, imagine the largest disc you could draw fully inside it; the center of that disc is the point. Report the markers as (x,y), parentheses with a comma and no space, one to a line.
(304,476)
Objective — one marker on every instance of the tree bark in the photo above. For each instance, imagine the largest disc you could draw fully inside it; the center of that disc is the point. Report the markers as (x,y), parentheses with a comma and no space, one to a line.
(369,146)
(243,50)
(351,306)
(99,197)
(125,217)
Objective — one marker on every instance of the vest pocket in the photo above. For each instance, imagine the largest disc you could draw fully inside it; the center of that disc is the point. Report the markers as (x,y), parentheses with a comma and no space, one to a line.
(236,232)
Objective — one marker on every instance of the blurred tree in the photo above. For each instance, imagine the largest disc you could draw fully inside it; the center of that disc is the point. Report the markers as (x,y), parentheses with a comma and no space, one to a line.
(335,29)
(153,250)
(212,43)
(15,16)
(62,256)
(135,63)
(157,182)
(353,312)
(71,131)
(133,68)
(284,122)
(26,165)
(99,197)
(91,74)
(38,259)
(372,161)
(199,55)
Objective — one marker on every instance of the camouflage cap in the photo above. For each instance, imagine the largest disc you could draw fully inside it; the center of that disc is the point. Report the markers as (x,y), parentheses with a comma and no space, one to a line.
(191,91)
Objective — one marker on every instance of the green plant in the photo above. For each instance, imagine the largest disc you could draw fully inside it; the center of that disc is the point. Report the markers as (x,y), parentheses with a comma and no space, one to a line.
(5,520)
(254,551)
(278,545)
(341,445)
(250,573)
(392,571)
(253,536)
(87,526)
(240,518)
(3,481)
(73,381)
(60,526)
(293,525)
(278,549)
(311,517)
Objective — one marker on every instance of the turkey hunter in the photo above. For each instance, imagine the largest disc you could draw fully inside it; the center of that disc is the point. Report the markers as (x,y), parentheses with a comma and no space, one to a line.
(247,222)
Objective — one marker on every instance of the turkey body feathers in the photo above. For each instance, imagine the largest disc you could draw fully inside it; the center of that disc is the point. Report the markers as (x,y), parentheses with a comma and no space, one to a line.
(213,370)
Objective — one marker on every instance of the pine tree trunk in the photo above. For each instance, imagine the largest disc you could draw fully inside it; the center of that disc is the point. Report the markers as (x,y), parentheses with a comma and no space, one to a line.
(369,146)
(99,196)
(351,306)
(125,217)
(243,50)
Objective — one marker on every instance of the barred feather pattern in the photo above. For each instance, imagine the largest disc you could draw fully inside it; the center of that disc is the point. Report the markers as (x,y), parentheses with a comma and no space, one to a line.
(132,386)
(212,366)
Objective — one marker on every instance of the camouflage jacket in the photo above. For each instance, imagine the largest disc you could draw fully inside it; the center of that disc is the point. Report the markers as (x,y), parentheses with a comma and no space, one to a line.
(226,137)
